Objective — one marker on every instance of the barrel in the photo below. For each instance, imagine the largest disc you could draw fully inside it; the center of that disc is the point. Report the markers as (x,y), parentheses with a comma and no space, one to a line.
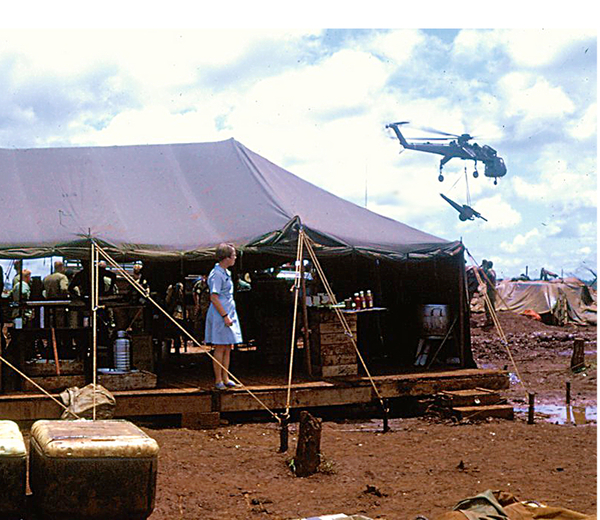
(122,358)
(434,320)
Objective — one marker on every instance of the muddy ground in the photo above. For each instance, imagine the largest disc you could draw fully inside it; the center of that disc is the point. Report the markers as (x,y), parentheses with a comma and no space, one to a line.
(422,466)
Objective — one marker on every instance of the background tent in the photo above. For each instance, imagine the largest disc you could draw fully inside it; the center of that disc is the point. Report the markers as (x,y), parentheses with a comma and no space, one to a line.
(569,299)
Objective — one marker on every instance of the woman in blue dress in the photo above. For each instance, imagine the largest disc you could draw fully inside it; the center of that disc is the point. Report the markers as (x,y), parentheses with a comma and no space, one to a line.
(222,329)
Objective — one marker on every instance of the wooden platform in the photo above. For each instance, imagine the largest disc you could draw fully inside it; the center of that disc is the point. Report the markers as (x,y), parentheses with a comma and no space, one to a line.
(194,404)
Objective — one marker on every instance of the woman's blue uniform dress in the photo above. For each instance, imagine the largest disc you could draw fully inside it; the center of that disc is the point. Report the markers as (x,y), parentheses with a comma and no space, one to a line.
(216,332)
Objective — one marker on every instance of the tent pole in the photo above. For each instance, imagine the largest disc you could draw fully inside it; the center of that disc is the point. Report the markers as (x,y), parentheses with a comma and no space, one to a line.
(462,303)
(94,308)
(307,352)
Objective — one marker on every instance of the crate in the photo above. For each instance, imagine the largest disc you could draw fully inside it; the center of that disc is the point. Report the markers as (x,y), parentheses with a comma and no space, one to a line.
(92,470)
(13,470)
(332,351)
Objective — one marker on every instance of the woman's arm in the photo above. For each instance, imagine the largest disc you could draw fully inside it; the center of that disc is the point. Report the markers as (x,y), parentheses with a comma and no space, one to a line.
(214,299)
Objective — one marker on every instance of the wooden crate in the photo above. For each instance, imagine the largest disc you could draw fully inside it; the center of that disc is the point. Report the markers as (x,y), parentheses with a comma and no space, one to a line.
(332,351)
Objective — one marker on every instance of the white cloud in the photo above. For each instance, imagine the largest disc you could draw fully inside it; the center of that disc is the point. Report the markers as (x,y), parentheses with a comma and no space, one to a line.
(396,46)
(475,45)
(499,213)
(585,127)
(569,180)
(533,97)
(535,48)
(521,241)
(527,48)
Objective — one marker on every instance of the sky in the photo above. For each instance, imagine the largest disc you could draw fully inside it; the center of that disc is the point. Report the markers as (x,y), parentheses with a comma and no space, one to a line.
(316,102)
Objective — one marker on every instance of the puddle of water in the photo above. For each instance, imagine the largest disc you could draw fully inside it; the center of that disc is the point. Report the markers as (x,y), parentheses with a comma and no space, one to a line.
(569,353)
(563,414)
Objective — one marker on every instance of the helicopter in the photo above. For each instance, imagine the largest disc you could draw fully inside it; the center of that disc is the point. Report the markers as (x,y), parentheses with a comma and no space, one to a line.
(457,147)
(464,212)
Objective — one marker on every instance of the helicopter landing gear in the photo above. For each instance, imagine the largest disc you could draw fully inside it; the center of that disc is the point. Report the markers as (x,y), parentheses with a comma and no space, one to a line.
(441,178)
(475,174)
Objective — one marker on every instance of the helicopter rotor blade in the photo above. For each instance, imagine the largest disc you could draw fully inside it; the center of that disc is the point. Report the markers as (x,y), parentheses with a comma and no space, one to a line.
(439,132)
(429,138)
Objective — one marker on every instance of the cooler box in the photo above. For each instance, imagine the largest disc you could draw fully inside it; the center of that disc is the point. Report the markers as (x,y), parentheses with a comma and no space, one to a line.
(13,470)
(92,470)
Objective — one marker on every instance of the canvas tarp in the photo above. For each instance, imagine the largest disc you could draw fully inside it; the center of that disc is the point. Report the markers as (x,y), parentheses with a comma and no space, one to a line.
(181,200)
(570,297)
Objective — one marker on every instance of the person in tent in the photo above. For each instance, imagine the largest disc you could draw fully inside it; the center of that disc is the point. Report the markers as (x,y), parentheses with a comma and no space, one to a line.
(21,292)
(56,285)
(175,302)
(201,303)
(489,278)
(222,329)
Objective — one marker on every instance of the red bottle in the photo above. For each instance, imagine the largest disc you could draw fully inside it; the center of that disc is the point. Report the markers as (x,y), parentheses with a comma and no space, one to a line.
(369,299)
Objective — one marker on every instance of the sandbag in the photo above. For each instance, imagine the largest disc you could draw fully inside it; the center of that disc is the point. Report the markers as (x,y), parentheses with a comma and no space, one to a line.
(80,403)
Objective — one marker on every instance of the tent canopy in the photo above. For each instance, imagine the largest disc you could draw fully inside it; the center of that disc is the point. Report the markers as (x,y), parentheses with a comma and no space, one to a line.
(174,200)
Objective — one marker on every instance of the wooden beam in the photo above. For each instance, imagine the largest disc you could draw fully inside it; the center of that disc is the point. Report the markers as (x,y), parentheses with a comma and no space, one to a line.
(312,394)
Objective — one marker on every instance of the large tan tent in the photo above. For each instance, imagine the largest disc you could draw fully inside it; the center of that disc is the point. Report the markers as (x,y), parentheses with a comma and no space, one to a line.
(174,203)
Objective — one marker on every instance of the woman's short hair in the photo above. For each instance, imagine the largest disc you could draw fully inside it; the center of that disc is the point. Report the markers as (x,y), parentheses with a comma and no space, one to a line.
(224,251)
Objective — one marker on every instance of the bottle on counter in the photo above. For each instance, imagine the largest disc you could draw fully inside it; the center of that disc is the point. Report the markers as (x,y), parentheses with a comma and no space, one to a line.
(369,299)
(363,300)
(357,301)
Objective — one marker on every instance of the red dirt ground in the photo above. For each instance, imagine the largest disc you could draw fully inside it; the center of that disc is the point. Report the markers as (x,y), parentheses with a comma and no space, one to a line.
(422,466)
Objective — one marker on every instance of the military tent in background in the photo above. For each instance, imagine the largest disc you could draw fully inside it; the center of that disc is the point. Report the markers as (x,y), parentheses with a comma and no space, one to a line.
(556,301)
(173,204)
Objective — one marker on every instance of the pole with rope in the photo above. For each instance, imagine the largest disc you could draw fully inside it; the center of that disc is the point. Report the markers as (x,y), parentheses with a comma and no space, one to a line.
(497,324)
(94,301)
(285,417)
(347,331)
(145,292)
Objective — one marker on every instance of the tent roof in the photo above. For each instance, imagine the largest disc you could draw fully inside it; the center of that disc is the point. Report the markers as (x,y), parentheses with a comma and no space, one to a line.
(168,200)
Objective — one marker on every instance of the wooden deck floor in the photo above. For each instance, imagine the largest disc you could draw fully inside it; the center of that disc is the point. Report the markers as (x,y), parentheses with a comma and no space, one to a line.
(186,389)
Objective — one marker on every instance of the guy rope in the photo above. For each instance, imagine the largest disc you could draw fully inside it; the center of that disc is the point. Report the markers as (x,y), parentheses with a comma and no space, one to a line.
(145,292)
(302,240)
(494,316)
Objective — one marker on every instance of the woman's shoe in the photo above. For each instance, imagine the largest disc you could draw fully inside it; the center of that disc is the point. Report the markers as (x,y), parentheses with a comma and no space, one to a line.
(220,386)
(232,384)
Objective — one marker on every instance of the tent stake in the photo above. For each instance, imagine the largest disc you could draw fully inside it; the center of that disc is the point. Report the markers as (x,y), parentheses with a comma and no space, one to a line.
(531,408)
(284,433)
(386,409)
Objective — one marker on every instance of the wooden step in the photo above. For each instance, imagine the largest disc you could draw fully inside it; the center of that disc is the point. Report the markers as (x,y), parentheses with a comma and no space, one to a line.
(478,413)
(468,397)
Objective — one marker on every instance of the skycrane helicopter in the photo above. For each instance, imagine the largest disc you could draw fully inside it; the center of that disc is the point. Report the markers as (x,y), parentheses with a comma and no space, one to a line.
(457,147)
